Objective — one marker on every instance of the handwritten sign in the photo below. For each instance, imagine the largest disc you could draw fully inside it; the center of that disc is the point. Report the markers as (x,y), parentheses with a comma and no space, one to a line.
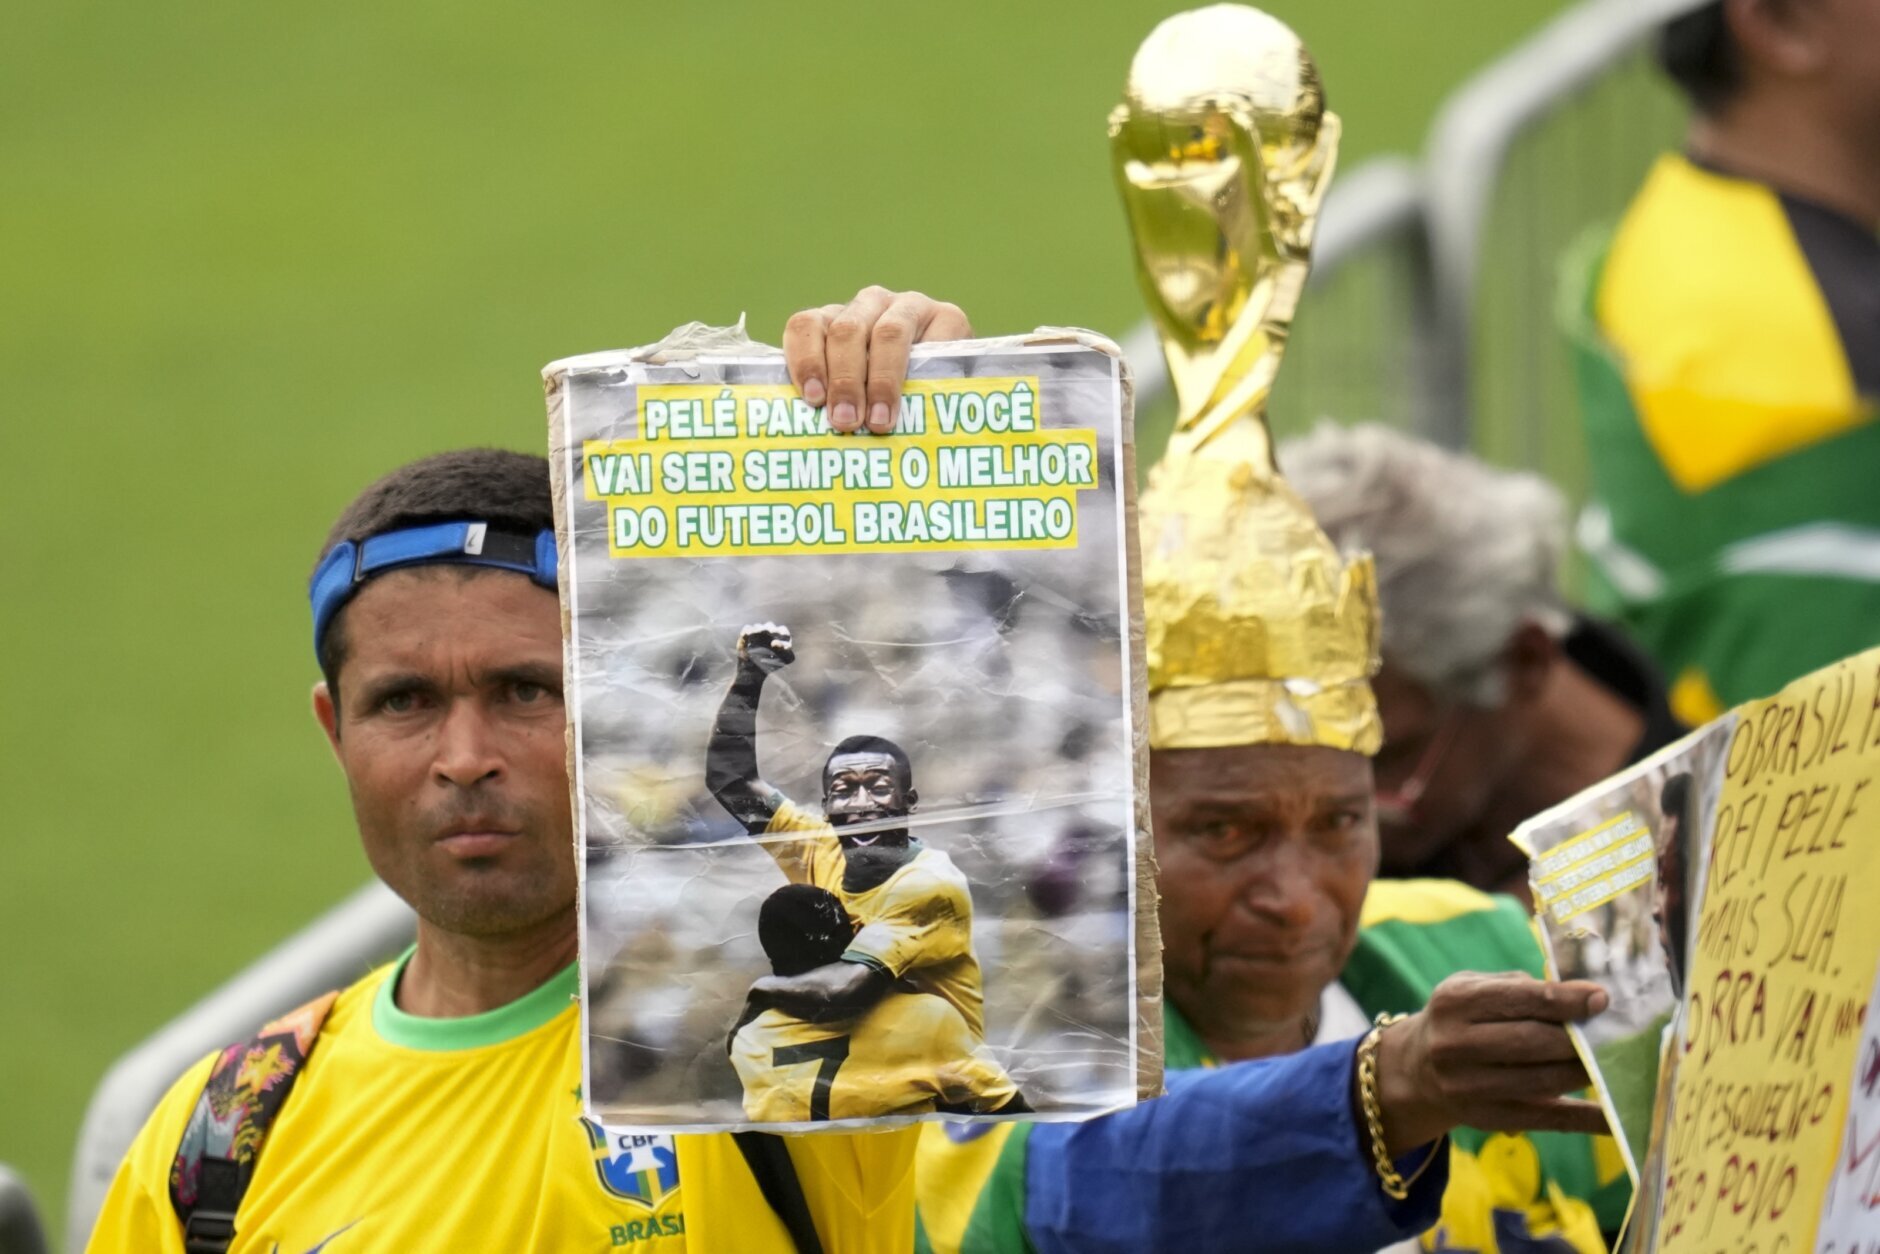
(1781,975)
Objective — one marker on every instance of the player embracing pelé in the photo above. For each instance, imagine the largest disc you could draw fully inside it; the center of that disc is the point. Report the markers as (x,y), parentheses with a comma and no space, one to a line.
(912,907)
(908,1054)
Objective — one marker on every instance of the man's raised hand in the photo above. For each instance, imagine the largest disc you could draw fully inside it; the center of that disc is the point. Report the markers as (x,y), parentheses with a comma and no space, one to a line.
(1491,1052)
(854,356)
(767,646)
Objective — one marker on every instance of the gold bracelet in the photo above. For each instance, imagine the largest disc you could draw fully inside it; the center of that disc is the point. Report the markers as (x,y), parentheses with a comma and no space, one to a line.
(1394,1184)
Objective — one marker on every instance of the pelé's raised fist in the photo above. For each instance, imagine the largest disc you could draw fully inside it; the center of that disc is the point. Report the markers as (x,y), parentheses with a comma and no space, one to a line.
(767,646)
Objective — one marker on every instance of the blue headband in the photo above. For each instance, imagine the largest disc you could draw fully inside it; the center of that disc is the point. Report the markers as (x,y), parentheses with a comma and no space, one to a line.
(349,565)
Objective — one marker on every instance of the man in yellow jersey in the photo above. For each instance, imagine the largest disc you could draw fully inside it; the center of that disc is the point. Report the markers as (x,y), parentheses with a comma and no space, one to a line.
(439,1107)
(908,1054)
(913,905)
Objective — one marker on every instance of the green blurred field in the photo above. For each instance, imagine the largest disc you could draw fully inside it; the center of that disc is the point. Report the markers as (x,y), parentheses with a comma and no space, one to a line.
(254,255)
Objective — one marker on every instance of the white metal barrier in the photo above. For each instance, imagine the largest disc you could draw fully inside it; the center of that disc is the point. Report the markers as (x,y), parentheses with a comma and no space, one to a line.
(1550,141)
(331,952)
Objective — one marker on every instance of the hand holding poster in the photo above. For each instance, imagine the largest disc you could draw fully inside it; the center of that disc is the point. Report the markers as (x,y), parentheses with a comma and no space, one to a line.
(856,738)
(1761,837)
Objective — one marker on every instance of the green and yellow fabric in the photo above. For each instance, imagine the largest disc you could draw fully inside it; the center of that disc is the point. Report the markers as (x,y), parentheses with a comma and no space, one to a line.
(1726,344)
(1508,1193)
(412,1133)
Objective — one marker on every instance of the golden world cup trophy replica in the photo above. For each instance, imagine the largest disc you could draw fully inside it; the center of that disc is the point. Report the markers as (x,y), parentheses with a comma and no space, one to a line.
(1258,631)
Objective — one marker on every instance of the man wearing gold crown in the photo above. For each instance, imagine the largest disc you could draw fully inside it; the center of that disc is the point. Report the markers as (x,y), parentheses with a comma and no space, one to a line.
(1262,724)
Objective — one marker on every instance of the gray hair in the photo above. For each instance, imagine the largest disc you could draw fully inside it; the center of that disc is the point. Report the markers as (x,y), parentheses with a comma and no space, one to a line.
(1466,553)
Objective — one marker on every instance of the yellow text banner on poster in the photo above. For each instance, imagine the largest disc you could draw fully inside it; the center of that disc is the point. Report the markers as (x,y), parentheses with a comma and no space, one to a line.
(720,471)
(1781,973)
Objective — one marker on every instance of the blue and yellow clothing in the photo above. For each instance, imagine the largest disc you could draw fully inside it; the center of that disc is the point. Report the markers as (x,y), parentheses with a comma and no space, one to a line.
(1258,1156)
(908,1054)
(466,1134)
(426,1134)
(1175,1173)
(1727,351)
(916,925)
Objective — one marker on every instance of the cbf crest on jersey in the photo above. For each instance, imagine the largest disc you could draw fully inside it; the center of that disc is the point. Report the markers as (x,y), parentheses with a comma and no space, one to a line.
(633,1166)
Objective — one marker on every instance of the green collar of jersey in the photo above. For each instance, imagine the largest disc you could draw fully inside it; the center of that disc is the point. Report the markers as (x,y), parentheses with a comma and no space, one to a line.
(493,1027)
(1182,1048)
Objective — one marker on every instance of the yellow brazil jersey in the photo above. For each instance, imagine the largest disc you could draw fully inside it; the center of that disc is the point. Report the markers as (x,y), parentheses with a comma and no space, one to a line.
(1726,343)
(906,1055)
(917,924)
(1722,303)
(466,1135)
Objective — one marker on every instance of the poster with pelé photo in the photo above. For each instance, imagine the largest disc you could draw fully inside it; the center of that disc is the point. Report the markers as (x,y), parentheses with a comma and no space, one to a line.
(857,744)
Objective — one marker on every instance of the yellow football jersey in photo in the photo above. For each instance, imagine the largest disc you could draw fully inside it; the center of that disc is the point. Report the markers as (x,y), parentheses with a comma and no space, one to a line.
(917,924)
(908,1054)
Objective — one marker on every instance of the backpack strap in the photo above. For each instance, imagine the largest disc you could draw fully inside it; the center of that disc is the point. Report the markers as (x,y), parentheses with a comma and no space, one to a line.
(237,1108)
(769,1160)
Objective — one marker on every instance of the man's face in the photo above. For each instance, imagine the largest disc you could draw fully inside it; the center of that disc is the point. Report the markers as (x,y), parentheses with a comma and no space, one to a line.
(450,730)
(861,790)
(865,788)
(1266,852)
(1440,766)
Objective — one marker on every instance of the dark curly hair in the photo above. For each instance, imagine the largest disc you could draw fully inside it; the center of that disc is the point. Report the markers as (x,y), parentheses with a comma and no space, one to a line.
(506,489)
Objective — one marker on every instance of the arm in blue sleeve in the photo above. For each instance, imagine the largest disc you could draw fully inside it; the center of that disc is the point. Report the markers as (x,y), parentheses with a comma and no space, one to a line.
(1262,1155)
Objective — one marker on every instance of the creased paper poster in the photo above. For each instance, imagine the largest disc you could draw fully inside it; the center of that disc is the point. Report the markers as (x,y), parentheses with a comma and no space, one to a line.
(1771,971)
(1613,873)
(857,739)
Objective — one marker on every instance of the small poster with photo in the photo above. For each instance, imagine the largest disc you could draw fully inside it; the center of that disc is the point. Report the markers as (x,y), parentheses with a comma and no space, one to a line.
(857,739)
(1613,878)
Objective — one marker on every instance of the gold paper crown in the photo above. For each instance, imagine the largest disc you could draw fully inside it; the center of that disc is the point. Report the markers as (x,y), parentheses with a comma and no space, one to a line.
(1258,631)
